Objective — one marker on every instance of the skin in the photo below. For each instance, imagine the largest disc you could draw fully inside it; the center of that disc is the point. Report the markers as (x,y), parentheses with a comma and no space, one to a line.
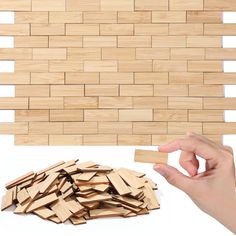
(214,189)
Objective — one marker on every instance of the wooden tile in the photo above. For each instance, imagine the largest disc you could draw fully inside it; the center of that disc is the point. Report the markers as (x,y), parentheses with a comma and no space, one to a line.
(31,66)
(115,102)
(134,41)
(31,115)
(80,127)
(118,184)
(83,5)
(65,41)
(219,103)
(135,115)
(13,103)
(228,5)
(16,78)
(15,54)
(61,140)
(206,90)
(45,128)
(151,5)
(185,103)
(31,17)
(32,90)
(51,5)
(219,128)
(46,103)
(171,90)
(100,139)
(138,140)
(82,29)
(149,128)
(66,115)
(49,54)
(150,156)
(219,78)
(15,5)
(171,115)
(169,16)
(31,41)
(183,127)
(31,140)
(134,17)
(84,53)
(15,30)
(204,17)
(100,17)
(186,5)
(101,115)
(7,200)
(65,17)
(67,90)
(13,128)
(101,90)
(116,29)
(83,102)
(206,115)
(42,202)
(47,29)
(150,102)
(186,29)
(151,78)
(168,41)
(185,78)
(65,66)
(122,5)
(219,29)
(204,41)
(151,29)
(205,66)
(47,78)
(115,127)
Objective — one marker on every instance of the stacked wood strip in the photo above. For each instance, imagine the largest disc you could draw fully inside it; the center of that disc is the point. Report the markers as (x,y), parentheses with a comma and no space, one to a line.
(81,191)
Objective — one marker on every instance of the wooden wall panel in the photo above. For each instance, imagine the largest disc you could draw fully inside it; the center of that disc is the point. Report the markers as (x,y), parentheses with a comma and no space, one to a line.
(109,72)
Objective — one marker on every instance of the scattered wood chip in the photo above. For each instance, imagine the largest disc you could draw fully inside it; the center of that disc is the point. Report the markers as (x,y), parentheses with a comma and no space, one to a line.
(80,192)
(118,184)
(148,156)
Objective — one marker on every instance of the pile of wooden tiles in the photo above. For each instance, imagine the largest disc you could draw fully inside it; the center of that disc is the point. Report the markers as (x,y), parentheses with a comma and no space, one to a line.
(80,192)
(117,72)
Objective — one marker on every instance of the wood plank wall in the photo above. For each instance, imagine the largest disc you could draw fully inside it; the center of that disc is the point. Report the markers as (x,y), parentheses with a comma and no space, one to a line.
(117,72)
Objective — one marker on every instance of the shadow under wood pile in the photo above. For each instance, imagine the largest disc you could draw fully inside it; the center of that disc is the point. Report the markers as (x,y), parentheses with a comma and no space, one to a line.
(81,191)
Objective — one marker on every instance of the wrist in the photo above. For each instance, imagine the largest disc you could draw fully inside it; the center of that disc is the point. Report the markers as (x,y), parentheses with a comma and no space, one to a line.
(228,215)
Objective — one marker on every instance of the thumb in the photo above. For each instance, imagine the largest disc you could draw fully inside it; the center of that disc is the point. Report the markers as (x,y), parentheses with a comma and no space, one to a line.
(174,177)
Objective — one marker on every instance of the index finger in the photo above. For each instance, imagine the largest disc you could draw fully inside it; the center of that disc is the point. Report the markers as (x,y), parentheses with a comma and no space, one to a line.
(192,144)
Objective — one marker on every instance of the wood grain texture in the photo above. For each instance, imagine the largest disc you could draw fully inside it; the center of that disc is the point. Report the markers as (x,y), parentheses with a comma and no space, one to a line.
(108,72)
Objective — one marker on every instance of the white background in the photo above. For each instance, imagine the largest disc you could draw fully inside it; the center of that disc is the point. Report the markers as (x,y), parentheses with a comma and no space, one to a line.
(177,216)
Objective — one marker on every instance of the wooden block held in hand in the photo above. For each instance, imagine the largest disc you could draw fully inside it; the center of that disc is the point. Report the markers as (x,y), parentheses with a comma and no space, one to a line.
(148,156)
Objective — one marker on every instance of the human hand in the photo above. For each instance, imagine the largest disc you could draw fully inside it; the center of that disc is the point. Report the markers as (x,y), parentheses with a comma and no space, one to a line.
(213,191)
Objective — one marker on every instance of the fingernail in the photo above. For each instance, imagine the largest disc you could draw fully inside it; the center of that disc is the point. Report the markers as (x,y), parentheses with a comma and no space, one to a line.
(159,169)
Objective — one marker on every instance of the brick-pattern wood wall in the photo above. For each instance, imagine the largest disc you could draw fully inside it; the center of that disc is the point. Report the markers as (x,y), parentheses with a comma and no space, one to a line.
(117,72)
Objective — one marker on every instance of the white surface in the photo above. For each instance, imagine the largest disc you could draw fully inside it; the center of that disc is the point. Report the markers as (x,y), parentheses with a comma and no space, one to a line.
(7,41)
(7,90)
(6,17)
(177,216)
(229,66)
(7,116)
(7,66)
(229,17)
(229,41)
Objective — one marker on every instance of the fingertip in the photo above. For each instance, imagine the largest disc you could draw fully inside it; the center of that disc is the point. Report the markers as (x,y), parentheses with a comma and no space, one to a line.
(159,168)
